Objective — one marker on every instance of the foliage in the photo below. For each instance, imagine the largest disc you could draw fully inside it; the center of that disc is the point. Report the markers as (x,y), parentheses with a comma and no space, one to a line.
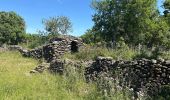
(166,18)
(166,5)
(58,25)
(164,93)
(88,37)
(35,40)
(12,28)
(136,21)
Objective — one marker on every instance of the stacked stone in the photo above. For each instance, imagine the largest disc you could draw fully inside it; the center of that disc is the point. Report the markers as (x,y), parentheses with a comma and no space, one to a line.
(60,66)
(24,52)
(48,52)
(101,65)
(57,66)
(63,46)
(137,74)
(60,47)
(36,53)
(53,50)
(41,68)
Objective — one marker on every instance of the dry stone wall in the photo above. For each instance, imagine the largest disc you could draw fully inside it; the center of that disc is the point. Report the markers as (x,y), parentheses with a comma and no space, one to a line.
(54,50)
(138,74)
(60,65)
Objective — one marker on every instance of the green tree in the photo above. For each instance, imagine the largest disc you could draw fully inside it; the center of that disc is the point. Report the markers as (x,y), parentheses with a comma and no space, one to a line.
(166,5)
(88,37)
(35,40)
(12,28)
(58,25)
(166,17)
(140,17)
(137,21)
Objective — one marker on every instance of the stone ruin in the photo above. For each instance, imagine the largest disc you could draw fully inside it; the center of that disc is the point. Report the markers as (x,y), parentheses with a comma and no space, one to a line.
(139,74)
(55,49)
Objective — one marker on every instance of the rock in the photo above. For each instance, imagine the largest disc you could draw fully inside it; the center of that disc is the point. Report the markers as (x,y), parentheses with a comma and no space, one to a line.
(153,61)
(40,68)
(163,75)
(33,71)
(104,58)
(161,60)
(167,62)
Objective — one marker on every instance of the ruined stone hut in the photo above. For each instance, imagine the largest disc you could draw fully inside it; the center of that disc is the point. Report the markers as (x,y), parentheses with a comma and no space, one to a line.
(55,49)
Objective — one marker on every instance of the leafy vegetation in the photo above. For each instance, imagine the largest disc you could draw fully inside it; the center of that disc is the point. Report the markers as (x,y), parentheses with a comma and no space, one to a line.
(12,28)
(137,22)
(34,40)
(58,25)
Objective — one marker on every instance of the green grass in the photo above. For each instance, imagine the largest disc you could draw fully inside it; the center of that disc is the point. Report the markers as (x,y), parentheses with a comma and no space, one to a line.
(126,53)
(17,84)
(89,53)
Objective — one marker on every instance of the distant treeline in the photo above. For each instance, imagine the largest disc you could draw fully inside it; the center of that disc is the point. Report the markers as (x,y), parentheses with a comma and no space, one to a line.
(12,29)
(127,22)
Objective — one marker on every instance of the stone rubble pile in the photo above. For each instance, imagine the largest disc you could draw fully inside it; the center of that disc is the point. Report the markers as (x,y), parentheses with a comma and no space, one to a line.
(40,68)
(59,66)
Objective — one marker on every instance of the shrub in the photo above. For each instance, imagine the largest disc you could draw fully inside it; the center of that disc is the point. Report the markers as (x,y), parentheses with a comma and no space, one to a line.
(164,93)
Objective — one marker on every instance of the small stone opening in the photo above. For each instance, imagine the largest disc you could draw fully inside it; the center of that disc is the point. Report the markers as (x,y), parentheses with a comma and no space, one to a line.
(74,46)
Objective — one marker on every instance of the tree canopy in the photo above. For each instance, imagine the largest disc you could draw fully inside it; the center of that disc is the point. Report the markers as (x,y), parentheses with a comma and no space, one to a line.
(58,25)
(136,21)
(166,5)
(12,28)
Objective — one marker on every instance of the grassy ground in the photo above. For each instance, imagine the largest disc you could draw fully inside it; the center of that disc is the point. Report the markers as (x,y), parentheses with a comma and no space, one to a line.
(17,84)
(89,53)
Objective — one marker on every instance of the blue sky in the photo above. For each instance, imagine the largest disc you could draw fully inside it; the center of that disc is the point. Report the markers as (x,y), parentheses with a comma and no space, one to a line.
(33,11)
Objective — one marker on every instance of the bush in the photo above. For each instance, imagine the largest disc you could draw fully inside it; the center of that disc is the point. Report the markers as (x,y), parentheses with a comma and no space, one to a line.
(164,93)
(34,40)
